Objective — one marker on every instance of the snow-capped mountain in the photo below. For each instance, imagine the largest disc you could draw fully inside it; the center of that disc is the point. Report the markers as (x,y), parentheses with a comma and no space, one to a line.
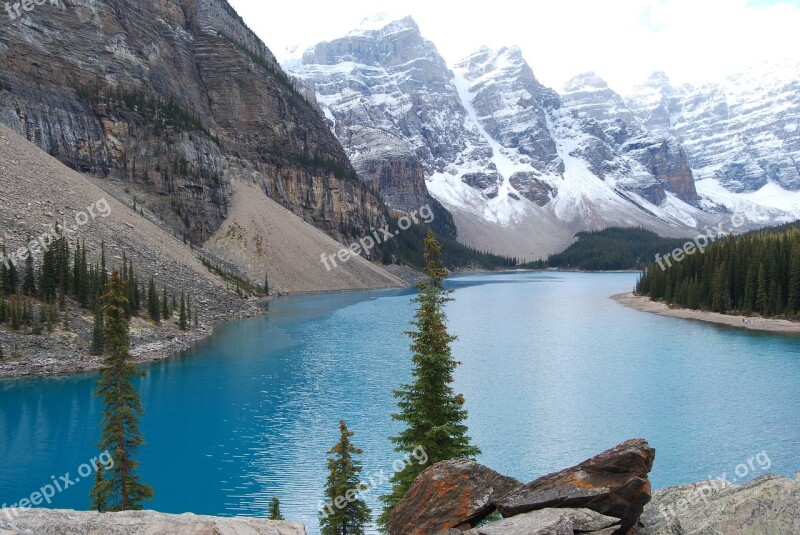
(742,135)
(520,166)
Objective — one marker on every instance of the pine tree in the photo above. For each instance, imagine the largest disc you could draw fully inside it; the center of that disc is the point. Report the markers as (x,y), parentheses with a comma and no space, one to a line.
(153,305)
(275,509)
(165,306)
(433,414)
(761,290)
(8,275)
(29,280)
(98,334)
(119,488)
(343,482)
(266,283)
(793,300)
(182,314)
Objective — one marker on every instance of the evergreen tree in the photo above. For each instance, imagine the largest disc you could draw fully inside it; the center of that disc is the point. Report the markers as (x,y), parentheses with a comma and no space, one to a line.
(29,280)
(118,488)
(182,315)
(275,509)
(343,482)
(165,306)
(762,300)
(793,300)
(8,275)
(266,283)
(98,331)
(153,305)
(433,414)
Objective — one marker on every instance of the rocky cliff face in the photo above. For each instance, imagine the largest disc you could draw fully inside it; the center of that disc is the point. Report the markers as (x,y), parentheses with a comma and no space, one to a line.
(741,133)
(175,98)
(588,95)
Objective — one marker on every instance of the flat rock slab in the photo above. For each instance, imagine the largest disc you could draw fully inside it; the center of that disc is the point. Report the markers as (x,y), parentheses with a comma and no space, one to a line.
(449,494)
(769,505)
(551,522)
(614,483)
(61,522)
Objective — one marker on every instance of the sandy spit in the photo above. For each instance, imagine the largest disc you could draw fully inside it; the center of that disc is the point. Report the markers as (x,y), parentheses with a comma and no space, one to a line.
(752,323)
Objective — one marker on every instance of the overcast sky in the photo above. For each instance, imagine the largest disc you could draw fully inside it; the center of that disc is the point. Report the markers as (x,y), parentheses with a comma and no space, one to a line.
(622,40)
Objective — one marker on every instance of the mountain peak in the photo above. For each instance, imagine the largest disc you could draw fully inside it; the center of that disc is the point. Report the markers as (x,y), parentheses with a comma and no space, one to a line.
(383,21)
(586,81)
(486,58)
(657,79)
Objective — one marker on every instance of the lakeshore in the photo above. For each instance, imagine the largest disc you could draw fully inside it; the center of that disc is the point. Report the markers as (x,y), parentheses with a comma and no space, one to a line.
(751,323)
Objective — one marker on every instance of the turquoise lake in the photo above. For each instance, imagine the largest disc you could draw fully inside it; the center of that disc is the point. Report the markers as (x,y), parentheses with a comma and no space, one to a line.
(554,371)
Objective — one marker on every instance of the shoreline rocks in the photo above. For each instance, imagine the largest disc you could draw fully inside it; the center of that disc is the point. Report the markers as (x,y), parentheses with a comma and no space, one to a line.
(604,495)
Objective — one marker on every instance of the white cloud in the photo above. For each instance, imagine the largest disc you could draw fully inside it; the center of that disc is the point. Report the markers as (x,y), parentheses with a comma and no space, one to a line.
(622,40)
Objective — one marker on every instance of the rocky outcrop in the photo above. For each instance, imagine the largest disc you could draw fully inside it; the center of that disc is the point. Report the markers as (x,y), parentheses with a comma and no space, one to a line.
(605,495)
(613,483)
(767,505)
(453,494)
(58,522)
(174,99)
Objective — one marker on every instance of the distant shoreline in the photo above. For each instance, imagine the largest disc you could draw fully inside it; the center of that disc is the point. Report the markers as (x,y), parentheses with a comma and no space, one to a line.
(751,323)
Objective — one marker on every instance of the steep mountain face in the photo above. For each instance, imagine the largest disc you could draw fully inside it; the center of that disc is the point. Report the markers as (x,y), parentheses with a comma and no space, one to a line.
(386,95)
(740,134)
(662,155)
(520,168)
(175,99)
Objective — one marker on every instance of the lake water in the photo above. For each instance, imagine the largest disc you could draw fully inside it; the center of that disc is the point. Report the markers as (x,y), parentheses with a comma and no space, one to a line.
(553,372)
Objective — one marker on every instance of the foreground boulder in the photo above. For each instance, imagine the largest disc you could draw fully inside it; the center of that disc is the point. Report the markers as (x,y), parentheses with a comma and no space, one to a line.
(60,522)
(550,522)
(449,494)
(614,483)
(769,505)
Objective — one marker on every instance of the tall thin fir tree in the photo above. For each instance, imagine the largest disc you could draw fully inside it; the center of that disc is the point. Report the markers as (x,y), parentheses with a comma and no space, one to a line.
(182,323)
(165,313)
(433,414)
(153,304)
(98,331)
(119,488)
(275,509)
(29,280)
(343,481)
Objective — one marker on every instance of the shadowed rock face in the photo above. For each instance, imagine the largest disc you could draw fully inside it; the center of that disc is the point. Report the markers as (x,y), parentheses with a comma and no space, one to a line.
(73,80)
(447,495)
(614,483)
